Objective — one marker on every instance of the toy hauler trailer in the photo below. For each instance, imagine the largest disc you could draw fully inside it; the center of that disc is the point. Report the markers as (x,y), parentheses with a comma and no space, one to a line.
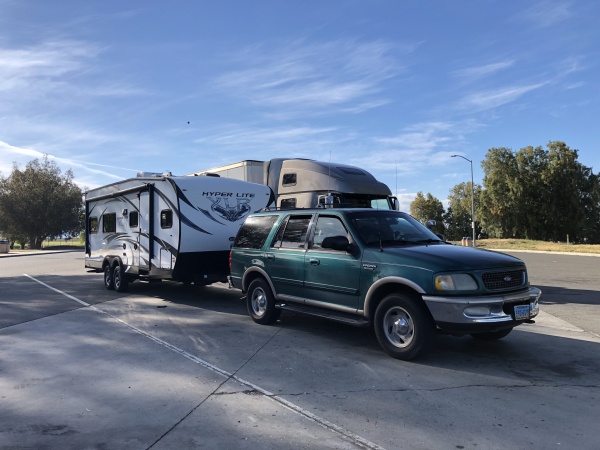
(156,227)
(304,183)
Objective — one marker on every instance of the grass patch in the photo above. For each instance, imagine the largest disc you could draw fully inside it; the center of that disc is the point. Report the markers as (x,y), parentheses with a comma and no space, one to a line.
(543,246)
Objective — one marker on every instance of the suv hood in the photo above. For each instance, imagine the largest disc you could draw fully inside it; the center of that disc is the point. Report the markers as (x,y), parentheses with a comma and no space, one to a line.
(442,257)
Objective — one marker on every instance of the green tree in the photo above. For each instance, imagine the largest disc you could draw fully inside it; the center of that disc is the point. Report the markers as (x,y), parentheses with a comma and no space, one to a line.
(540,194)
(424,208)
(498,209)
(458,215)
(566,181)
(39,202)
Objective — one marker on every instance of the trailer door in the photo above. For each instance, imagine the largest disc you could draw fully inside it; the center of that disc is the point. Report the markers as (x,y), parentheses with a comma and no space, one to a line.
(143,256)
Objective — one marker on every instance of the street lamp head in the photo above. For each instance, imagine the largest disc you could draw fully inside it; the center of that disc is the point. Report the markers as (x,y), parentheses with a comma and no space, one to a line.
(460,156)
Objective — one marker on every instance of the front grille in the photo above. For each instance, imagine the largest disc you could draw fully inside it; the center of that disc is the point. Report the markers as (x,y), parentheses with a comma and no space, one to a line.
(504,280)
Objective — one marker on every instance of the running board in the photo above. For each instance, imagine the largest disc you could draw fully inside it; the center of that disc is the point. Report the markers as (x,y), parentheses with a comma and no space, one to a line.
(348,319)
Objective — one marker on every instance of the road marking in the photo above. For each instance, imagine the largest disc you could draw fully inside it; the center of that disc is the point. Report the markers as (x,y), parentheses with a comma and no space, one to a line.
(56,290)
(356,439)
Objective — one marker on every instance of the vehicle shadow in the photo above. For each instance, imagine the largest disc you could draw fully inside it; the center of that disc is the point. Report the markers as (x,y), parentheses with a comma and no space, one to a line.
(24,300)
(556,295)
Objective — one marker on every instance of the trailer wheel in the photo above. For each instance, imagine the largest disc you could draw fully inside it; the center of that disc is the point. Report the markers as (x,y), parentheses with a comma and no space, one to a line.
(120,279)
(261,303)
(109,282)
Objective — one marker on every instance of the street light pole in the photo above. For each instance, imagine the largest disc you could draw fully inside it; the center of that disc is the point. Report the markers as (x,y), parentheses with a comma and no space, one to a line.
(472,197)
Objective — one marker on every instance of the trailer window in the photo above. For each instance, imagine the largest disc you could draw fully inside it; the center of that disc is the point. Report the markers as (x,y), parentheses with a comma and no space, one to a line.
(289,179)
(134,219)
(109,223)
(288,203)
(93,225)
(166,218)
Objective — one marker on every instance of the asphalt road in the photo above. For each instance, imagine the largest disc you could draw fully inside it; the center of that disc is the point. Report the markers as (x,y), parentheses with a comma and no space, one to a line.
(172,366)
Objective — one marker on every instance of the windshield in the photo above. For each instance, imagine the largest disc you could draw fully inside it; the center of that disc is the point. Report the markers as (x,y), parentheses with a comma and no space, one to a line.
(389,228)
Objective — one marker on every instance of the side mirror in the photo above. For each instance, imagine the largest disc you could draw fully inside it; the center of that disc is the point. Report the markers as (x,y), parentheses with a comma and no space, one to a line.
(340,243)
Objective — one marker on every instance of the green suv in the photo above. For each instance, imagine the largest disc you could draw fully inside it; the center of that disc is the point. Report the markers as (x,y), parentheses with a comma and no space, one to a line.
(378,268)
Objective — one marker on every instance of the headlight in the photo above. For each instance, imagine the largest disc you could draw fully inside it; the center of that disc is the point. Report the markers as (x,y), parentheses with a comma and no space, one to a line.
(455,282)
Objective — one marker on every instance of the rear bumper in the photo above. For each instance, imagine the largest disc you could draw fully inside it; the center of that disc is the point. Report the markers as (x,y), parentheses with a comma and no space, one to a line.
(484,313)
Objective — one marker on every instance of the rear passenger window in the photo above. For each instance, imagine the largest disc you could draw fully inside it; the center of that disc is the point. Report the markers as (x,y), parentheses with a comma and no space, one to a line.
(294,233)
(254,232)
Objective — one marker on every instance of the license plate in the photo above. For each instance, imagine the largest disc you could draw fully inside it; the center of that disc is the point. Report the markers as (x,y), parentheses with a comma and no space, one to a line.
(521,312)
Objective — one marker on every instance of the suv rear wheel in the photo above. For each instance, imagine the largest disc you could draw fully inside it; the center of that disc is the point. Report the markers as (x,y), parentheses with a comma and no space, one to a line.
(402,327)
(261,302)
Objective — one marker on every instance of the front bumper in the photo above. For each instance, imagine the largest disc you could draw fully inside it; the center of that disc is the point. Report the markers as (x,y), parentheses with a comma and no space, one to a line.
(483,313)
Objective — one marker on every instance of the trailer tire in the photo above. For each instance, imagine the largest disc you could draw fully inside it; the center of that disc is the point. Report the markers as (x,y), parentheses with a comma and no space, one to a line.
(120,278)
(109,282)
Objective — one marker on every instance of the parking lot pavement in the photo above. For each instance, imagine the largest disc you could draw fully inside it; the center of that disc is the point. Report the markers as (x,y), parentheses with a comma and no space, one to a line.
(172,366)
(84,379)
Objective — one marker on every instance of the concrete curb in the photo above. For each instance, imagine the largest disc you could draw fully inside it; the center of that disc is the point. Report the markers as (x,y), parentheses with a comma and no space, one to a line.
(597,255)
(39,252)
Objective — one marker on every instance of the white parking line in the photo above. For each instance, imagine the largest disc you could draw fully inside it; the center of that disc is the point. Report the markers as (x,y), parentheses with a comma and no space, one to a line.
(356,439)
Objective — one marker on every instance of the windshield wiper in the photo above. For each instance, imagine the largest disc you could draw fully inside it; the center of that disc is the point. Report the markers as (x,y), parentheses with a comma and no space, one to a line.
(427,241)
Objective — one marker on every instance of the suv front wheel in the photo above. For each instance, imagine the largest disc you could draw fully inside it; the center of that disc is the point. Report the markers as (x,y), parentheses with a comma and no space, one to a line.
(402,326)
(261,302)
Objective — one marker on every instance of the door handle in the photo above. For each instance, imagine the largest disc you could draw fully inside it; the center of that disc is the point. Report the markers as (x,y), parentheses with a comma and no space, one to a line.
(314,262)
(270,256)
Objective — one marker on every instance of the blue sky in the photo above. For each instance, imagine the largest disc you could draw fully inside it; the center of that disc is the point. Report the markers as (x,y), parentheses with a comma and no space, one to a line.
(395,87)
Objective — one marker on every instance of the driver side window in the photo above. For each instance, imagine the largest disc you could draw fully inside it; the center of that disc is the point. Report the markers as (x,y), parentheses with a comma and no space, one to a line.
(327,226)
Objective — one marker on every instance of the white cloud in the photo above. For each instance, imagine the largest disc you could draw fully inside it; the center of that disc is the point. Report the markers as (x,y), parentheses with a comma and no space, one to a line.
(22,155)
(483,100)
(547,13)
(417,147)
(475,72)
(342,76)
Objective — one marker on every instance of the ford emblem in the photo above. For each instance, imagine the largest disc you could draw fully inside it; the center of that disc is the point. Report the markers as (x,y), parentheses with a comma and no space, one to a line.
(508,278)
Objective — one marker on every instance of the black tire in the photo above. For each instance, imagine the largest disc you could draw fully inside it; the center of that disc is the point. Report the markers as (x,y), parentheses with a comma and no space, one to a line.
(261,302)
(120,279)
(109,282)
(492,335)
(403,326)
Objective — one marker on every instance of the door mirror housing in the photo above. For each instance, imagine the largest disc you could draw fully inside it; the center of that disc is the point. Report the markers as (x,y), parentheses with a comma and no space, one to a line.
(340,243)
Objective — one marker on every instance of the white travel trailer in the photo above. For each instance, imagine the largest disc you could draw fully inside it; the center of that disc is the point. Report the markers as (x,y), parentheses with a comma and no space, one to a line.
(156,227)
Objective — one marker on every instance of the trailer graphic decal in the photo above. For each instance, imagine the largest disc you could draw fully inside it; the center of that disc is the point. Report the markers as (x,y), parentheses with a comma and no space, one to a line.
(192,225)
(232,213)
